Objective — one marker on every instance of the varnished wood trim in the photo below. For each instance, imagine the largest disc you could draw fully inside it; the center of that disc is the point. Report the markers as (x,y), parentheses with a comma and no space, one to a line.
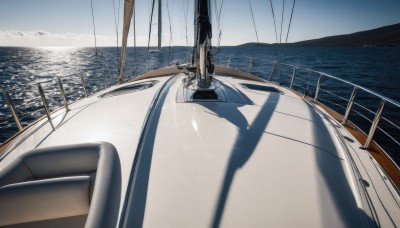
(237,73)
(5,145)
(165,71)
(221,70)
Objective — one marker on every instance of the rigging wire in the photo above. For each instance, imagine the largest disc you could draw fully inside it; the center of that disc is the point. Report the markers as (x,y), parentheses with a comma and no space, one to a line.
(118,12)
(170,32)
(115,22)
(185,7)
(94,27)
(280,46)
(279,43)
(149,8)
(283,11)
(218,12)
(287,34)
(220,22)
(276,37)
(116,30)
(186,10)
(254,24)
(221,15)
(118,17)
(290,21)
(273,16)
(148,42)
(135,68)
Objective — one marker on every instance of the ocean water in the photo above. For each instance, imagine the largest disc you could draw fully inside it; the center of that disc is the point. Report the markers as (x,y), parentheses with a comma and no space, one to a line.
(377,69)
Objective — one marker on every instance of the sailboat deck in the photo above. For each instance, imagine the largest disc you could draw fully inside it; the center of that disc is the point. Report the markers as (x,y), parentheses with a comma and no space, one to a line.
(276,160)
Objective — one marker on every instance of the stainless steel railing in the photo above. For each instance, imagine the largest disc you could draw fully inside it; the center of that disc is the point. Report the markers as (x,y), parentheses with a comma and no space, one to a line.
(43,98)
(351,100)
(152,62)
(14,113)
(319,87)
(306,81)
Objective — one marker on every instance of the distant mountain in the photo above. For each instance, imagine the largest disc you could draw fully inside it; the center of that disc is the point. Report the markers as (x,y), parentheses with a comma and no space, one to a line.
(255,44)
(387,36)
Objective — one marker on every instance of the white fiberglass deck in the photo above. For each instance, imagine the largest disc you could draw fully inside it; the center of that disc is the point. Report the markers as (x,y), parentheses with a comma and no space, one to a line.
(276,161)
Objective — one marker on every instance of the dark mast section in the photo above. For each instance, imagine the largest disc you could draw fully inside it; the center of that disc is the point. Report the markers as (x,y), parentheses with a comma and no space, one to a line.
(202,49)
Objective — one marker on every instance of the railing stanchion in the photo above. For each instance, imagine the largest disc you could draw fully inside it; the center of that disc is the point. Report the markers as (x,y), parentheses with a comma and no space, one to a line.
(349,105)
(13,111)
(84,86)
(375,123)
(45,104)
(293,76)
(318,87)
(63,93)
(250,65)
(272,72)
(279,72)
(229,60)
(306,91)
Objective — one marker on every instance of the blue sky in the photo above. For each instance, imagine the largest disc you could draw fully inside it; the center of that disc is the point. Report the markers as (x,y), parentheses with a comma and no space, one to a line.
(69,23)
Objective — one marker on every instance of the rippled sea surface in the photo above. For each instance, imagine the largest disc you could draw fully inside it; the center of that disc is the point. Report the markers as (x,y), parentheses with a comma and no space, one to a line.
(377,69)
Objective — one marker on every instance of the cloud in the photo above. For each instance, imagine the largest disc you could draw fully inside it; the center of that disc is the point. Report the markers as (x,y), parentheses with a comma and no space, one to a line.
(44,38)
(41,33)
(19,34)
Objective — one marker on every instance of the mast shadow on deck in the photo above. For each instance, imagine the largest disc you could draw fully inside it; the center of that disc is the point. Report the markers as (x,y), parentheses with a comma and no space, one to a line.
(245,144)
(331,170)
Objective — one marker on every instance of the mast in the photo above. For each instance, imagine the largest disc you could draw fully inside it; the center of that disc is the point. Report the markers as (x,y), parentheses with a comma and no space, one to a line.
(159,24)
(202,50)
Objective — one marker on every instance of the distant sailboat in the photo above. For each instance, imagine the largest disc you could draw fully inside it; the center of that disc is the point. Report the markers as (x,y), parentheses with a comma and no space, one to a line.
(159,23)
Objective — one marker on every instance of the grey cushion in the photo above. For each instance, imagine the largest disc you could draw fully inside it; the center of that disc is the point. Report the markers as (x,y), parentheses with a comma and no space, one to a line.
(67,222)
(44,200)
(98,162)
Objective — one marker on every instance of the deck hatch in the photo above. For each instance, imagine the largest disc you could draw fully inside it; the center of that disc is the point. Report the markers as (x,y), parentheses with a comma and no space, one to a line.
(260,88)
(205,95)
(131,88)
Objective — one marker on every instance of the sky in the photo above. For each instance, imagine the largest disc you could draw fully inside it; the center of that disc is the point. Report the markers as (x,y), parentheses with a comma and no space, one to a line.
(69,22)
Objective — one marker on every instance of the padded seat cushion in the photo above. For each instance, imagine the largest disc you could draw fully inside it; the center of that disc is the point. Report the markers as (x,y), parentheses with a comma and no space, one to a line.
(44,199)
(63,181)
